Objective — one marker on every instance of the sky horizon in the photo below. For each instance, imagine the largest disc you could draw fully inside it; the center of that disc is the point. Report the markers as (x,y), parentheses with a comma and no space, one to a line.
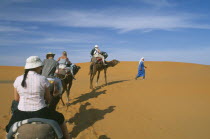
(159,30)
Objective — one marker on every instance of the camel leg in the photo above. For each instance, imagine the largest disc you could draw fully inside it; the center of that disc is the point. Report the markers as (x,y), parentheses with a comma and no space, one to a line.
(68,90)
(98,78)
(91,86)
(91,74)
(64,89)
(67,95)
(54,102)
(61,97)
(91,80)
(105,76)
(62,101)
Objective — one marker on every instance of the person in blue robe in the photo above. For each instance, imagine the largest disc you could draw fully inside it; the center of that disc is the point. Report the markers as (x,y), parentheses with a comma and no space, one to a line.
(141,69)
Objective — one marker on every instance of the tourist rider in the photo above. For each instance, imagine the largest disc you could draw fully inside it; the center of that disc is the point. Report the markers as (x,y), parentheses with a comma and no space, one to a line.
(48,70)
(32,90)
(49,66)
(97,53)
(65,63)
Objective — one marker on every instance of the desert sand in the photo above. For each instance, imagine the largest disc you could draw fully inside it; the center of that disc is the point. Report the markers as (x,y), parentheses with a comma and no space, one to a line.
(172,103)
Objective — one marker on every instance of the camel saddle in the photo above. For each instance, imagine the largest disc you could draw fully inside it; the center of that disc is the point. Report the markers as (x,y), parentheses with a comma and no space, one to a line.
(35,128)
(63,71)
(97,60)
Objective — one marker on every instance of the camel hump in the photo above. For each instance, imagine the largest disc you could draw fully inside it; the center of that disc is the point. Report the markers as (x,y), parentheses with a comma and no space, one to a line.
(35,128)
(35,131)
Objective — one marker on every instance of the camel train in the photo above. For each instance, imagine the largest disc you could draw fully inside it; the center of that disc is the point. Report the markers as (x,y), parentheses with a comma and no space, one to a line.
(50,129)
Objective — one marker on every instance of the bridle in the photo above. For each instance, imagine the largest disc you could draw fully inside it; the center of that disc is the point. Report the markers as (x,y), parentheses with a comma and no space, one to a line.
(66,75)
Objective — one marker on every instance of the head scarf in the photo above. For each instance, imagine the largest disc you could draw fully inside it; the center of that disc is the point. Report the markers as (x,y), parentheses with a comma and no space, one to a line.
(141,60)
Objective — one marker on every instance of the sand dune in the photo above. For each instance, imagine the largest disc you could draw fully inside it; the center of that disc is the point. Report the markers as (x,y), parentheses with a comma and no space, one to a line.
(172,103)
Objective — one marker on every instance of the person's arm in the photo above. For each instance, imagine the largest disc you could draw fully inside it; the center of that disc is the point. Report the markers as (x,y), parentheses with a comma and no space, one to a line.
(47,96)
(16,95)
(59,59)
(46,86)
(143,65)
(99,51)
(68,61)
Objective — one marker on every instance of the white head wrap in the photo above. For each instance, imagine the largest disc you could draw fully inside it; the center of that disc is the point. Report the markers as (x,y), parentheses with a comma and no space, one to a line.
(96,46)
(141,60)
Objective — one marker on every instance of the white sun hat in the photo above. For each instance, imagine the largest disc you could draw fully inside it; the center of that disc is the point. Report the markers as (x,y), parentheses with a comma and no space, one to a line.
(33,62)
(96,46)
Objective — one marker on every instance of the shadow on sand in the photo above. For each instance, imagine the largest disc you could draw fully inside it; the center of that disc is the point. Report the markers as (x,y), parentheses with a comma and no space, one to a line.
(104,137)
(87,96)
(87,117)
(92,94)
(110,83)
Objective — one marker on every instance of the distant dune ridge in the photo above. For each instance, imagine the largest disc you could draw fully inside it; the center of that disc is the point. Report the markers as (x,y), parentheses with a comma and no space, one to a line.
(172,103)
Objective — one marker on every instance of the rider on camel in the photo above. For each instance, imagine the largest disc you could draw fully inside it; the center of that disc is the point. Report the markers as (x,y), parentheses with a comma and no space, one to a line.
(48,70)
(65,63)
(97,53)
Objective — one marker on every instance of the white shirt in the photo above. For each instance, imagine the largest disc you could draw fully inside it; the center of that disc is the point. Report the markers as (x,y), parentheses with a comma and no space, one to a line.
(32,96)
(96,52)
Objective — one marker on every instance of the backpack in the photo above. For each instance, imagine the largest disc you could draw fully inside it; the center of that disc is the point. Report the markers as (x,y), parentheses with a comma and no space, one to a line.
(92,52)
(104,54)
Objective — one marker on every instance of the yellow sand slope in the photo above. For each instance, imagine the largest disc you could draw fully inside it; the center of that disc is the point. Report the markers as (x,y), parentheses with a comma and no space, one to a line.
(172,103)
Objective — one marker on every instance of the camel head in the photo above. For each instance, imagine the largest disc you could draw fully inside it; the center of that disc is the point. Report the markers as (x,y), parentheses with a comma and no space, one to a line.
(113,63)
(77,69)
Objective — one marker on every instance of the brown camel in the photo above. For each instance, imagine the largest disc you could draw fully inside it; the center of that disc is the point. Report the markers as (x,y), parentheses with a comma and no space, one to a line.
(98,67)
(67,81)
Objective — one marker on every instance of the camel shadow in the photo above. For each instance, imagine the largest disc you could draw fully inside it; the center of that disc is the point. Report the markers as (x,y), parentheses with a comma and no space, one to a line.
(114,82)
(103,137)
(110,83)
(87,96)
(87,117)
(92,94)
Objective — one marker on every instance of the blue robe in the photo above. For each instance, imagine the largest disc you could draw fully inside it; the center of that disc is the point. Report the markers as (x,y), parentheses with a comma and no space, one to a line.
(142,71)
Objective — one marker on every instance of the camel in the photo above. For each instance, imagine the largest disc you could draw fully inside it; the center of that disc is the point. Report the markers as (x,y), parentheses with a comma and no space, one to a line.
(67,81)
(35,128)
(98,67)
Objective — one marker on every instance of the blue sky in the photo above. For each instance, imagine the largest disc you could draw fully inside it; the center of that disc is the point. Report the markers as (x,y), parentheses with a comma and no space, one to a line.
(159,30)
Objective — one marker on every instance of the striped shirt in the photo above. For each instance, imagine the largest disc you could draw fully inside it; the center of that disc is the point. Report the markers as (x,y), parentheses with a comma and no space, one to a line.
(32,96)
